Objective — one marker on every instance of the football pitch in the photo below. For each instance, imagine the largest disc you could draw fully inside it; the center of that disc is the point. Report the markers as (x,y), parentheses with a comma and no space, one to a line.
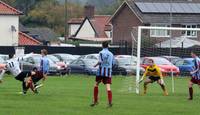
(72,95)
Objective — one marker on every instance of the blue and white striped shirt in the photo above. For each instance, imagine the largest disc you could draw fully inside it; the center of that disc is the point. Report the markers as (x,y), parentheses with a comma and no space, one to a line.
(196,66)
(106,60)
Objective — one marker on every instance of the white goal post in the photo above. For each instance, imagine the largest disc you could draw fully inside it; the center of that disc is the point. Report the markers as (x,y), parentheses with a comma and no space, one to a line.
(139,37)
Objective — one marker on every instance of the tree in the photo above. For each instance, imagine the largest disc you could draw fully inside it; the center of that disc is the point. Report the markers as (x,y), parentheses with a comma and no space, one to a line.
(49,13)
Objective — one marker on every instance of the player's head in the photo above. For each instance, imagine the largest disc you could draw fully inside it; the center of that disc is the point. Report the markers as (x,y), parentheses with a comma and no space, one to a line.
(35,69)
(105,44)
(44,52)
(150,62)
(11,55)
(193,54)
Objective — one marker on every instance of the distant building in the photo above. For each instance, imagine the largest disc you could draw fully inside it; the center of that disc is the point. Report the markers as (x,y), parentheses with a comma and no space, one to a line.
(134,13)
(43,35)
(25,40)
(90,27)
(9,23)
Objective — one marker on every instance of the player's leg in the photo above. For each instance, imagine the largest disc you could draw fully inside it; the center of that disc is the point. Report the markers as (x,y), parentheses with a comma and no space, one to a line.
(162,85)
(96,91)
(24,87)
(109,92)
(2,72)
(190,84)
(146,82)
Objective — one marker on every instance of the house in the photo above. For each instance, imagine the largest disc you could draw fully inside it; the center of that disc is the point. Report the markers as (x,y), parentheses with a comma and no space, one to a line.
(90,27)
(25,40)
(9,22)
(42,35)
(134,13)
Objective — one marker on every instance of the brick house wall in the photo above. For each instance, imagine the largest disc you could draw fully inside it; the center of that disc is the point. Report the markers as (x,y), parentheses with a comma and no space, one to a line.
(122,25)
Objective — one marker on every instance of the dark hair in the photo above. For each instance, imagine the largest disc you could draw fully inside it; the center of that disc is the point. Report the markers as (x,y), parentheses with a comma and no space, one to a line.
(194,52)
(11,55)
(35,69)
(44,51)
(151,60)
(105,44)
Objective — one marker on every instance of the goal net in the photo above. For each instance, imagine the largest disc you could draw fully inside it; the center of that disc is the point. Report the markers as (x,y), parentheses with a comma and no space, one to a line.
(169,47)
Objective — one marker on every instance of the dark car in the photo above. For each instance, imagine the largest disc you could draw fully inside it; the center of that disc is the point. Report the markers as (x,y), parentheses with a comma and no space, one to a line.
(34,61)
(185,66)
(83,66)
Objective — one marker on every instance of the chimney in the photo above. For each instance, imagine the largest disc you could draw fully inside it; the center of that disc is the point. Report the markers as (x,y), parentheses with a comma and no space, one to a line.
(89,11)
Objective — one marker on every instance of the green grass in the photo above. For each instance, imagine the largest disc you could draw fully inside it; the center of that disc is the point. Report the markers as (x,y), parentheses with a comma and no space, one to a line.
(71,95)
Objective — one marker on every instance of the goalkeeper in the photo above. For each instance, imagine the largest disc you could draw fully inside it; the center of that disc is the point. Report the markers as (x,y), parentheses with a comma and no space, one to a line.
(154,73)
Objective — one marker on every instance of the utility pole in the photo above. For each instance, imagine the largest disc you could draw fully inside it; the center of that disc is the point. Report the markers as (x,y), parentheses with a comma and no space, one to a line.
(65,22)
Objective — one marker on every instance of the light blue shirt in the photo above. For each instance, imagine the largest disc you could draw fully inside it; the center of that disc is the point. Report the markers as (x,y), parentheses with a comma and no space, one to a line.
(44,65)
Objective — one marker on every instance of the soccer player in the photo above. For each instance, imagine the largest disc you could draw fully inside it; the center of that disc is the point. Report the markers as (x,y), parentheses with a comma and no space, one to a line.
(104,73)
(195,75)
(154,73)
(13,65)
(44,64)
(36,78)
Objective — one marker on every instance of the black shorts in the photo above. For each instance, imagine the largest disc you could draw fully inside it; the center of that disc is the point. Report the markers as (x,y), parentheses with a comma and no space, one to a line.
(154,78)
(22,75)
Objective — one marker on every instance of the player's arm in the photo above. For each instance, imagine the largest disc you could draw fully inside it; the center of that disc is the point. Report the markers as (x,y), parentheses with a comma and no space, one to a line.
(144,75)
(26,56)
(197,69)
(100,59)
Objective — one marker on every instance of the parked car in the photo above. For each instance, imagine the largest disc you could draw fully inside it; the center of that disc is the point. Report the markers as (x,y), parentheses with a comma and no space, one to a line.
(62,67)
(34,61)
(165,66)
(129,64)
(90,56)
(172,59)
(4,57)
(185,66)
(126,56)
(67,58)
(83,66)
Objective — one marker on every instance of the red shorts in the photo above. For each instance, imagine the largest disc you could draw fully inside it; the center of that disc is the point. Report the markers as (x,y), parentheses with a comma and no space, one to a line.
(195,81)
(105,80)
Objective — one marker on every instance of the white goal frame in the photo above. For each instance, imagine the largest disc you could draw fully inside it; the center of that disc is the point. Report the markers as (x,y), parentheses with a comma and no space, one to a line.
(140,28)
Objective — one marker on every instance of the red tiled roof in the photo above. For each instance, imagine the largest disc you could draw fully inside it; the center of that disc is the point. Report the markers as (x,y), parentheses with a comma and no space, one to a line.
(99,23)
(5,9)
(75,20)
(25,39)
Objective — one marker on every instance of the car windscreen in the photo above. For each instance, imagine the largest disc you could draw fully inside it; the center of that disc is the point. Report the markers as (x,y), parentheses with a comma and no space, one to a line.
(161,61)
(126,62)
(2,60)
(90,63)
(53,58)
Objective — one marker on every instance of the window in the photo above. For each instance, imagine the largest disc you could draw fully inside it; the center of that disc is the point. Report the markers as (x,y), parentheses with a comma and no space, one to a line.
(159,33)
(190,33)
